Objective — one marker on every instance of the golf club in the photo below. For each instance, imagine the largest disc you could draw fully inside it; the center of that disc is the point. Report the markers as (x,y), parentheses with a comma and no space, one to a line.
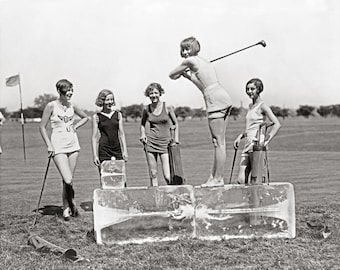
(100,175)
(267,164)
(42,188)
(147,161)
(262,43)
(232,166)
(267,167)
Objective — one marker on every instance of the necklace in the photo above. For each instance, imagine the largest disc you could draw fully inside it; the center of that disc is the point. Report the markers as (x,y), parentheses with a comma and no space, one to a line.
(62,106)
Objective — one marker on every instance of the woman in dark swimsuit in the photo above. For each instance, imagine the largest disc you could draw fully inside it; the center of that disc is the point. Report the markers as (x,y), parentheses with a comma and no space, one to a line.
(108,137)
(158,136)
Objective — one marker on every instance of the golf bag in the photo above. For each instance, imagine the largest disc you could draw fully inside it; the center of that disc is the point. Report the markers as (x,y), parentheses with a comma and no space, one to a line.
(176,171)
(259,167)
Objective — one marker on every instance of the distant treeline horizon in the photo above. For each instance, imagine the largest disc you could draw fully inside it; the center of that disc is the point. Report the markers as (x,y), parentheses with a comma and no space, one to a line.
(134,111)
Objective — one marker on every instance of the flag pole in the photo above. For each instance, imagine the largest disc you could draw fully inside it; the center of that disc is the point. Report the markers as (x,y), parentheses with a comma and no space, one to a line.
(22,121)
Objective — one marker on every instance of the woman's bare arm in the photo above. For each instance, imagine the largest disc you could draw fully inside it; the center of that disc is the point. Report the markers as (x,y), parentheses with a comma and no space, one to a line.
(82,115)
(276,124)
(122,137)
(42,127)
(181,69)
(143,138)
(173,118)
(95,139)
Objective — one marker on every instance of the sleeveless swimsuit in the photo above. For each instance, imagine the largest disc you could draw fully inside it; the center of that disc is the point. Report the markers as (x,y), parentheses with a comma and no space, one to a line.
(254,118)
(158,134)
(215,96)
(63,138)
(109,144)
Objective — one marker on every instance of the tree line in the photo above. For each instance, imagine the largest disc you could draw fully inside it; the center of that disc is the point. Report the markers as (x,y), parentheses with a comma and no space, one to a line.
(134,111)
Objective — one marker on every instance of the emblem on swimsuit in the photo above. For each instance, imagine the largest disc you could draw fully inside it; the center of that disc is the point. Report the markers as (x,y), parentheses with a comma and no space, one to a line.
(65,118)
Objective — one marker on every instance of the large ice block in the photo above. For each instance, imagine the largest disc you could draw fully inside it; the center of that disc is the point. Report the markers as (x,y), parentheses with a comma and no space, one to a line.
(144,214)
(238,211)
(112,174)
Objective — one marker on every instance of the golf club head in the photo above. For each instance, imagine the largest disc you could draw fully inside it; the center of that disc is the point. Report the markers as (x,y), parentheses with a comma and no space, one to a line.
(263,43)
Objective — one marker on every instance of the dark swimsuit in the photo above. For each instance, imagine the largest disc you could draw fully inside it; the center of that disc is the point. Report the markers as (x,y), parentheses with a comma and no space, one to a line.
(159,133)
(109,144)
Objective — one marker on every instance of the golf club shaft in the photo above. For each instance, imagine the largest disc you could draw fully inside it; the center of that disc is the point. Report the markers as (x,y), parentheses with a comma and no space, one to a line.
(42,189)
(147,161)
(100,175)
(262,42)
(232,166)
(258,43)
(266,155)
(267,168)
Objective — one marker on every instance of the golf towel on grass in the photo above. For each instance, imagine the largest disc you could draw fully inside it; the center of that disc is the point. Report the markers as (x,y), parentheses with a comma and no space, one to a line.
(44,246)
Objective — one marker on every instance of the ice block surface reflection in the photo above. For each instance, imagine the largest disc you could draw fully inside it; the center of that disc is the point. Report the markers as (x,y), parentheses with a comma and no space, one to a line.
(145,214)
(237,211)
(112,174)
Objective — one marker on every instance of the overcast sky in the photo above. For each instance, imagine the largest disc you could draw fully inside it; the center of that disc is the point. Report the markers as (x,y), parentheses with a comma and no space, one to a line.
(124,45)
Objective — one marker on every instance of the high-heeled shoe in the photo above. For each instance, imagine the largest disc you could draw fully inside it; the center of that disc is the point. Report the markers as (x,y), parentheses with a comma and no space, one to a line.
(75,211)
(66,214)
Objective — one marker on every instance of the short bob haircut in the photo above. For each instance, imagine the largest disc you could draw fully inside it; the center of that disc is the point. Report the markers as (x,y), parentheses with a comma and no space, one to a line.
(192,44)
(102,96)
(258,83)
(152,86)
(63,86)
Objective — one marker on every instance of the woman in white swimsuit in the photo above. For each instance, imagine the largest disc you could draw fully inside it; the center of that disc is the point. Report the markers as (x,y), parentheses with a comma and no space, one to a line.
(64,145)
(257,115)
(218,102)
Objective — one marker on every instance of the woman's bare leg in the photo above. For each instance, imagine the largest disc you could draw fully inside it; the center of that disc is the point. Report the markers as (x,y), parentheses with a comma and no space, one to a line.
(73,159)
(63,166)
(153,168)
(244,172)
(166,167)
(218,129)
(66,164)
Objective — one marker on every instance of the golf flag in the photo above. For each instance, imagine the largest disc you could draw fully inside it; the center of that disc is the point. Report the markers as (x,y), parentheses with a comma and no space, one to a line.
(13,80)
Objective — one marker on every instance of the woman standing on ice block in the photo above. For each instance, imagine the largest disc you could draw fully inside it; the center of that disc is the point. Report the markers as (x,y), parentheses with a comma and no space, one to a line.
(64,145)
(158,137)
(218,102)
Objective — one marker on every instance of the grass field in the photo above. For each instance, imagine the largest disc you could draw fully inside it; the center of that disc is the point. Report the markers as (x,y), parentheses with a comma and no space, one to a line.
(306,152)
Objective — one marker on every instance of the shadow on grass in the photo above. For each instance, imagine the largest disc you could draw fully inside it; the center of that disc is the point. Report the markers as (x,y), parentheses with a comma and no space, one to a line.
(87,206)
(50,210)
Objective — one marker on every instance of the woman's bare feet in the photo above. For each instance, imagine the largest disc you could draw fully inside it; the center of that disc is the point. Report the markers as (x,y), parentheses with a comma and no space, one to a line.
(154,182)
(213,182)
(66,213)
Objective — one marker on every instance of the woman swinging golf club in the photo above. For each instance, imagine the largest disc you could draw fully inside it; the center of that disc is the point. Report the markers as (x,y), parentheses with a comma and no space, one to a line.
(64,144)
(218,102)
